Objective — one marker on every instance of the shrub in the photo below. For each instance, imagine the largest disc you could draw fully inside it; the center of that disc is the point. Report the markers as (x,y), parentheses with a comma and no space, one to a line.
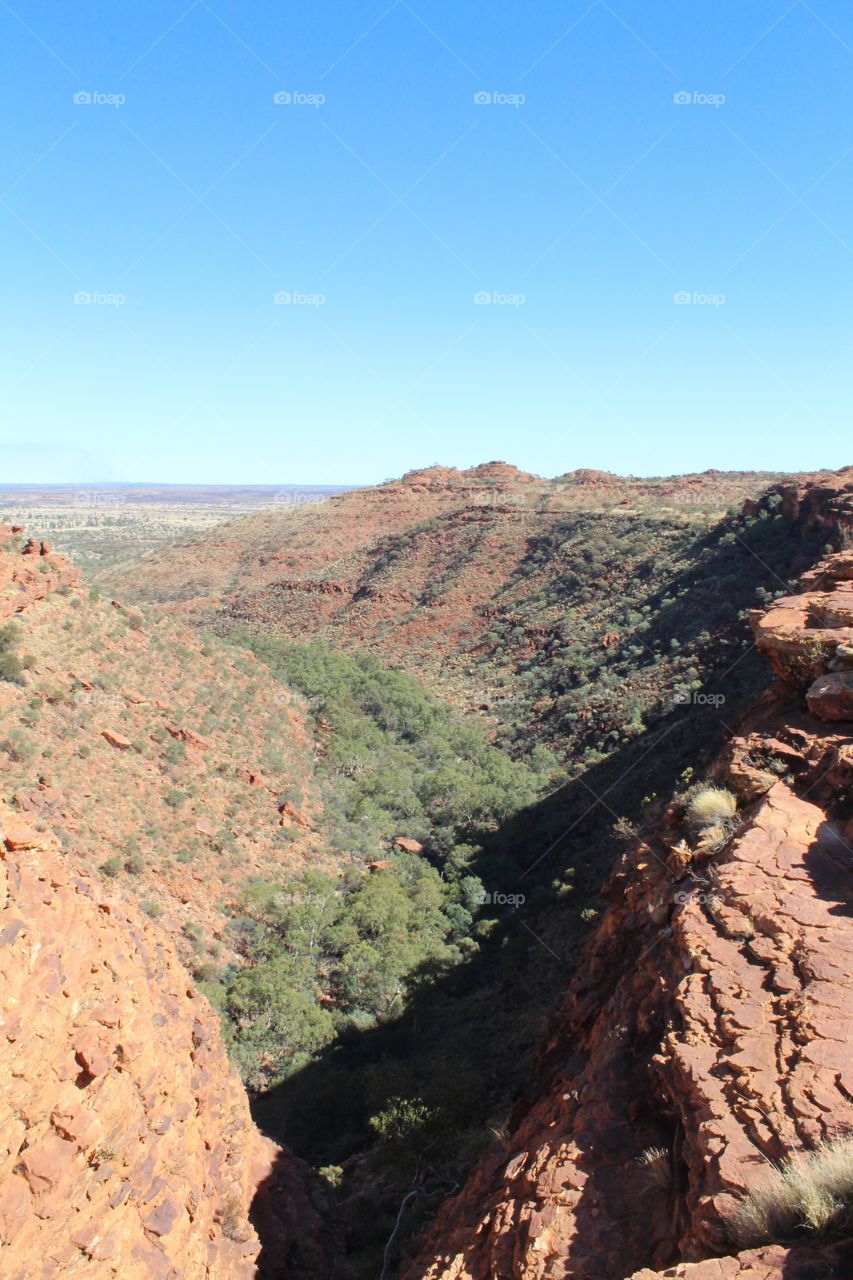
(10,635)
(11,668)
(709,807)
(807,1193)
(407,1128)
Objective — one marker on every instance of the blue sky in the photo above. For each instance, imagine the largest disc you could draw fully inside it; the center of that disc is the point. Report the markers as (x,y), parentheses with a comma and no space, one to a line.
(598,233)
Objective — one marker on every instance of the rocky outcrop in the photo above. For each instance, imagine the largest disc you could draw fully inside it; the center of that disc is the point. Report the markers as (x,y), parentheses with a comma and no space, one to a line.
(29,571)
(706,1032)
(830,1263)
(126,1145)
(809,634)
(820,503)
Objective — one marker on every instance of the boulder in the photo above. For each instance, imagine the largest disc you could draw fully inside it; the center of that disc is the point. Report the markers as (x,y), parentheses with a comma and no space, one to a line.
(408,845)
(831,696)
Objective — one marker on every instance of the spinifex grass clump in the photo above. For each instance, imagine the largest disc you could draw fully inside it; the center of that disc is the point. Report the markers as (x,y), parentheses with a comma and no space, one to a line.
(710,806)
(808,1193)
(656,1163)
(711,813)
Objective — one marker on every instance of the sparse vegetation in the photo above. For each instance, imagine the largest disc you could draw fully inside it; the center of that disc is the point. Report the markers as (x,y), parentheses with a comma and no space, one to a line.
(808,1194)
(709,807)
(11,665)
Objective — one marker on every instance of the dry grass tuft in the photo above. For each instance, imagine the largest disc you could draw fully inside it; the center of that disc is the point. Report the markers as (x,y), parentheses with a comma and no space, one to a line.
(656,1163)
(233,1220)
(808,1193)
(710,807)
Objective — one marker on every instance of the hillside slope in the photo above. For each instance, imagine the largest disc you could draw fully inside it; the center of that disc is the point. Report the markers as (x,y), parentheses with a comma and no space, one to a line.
(145,770)
(180,764)
(410,569)
(564,612)
(706,1031)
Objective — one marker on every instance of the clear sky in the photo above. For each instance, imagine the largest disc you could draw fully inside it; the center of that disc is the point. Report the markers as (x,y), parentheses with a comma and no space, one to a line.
(423,154)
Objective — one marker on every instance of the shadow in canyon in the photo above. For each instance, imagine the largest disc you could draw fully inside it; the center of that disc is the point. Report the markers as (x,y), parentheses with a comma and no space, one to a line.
(466,1041)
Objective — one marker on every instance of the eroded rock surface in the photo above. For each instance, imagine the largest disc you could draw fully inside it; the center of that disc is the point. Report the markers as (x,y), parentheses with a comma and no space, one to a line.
(126,1145)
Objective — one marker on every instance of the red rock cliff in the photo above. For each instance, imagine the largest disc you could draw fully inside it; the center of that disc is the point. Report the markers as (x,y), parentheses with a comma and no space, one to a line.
(707,1029)
(126,1145)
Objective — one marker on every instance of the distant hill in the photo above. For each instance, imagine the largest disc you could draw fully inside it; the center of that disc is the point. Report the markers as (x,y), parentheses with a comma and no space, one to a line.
(566,611)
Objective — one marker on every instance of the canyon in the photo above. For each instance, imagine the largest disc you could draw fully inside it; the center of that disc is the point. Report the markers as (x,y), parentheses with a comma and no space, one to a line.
(701,1038)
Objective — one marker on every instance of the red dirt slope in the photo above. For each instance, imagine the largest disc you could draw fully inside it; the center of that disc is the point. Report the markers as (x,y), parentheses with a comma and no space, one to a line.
(179,765)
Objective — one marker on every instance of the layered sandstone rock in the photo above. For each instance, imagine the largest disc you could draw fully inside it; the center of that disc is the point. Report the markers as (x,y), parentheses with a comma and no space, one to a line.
(126,1145)
(800,635)
(706,1033)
